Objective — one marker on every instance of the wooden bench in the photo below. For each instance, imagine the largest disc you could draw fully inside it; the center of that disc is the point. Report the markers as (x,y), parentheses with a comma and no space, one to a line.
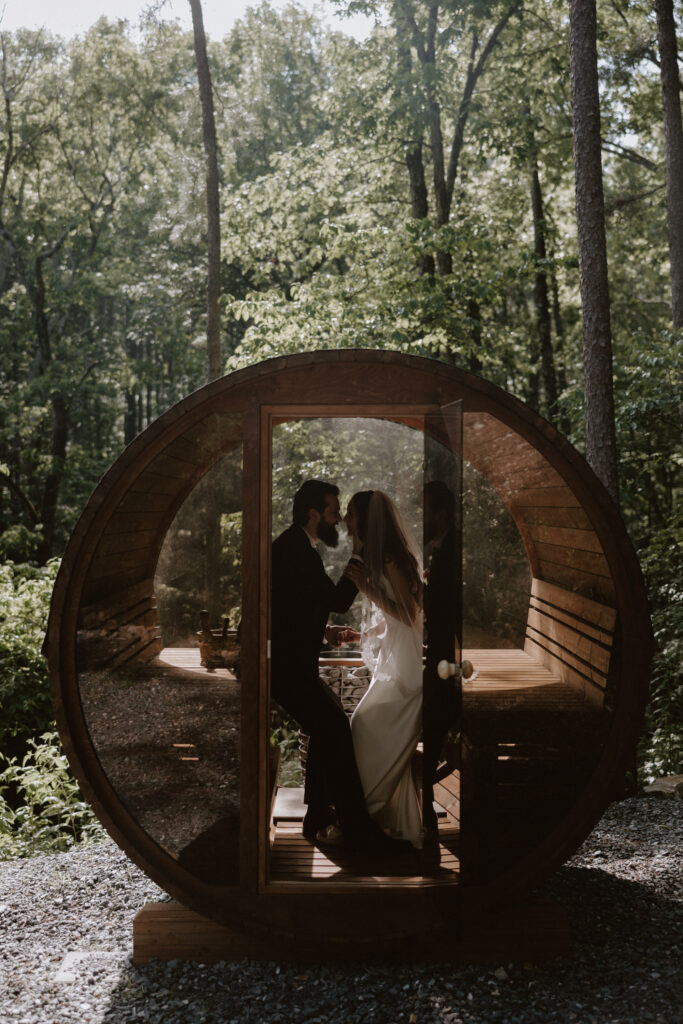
(534,720)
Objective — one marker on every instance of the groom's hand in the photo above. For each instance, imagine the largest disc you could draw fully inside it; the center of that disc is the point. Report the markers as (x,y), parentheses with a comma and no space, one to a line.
(336,635)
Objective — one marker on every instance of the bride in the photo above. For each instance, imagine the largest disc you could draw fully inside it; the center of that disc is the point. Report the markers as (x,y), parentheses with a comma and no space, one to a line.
(387,723)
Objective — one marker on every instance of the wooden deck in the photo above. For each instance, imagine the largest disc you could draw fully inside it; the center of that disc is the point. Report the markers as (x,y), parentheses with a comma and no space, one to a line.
(502,675)
(508,682)
(294,862)
(513,676)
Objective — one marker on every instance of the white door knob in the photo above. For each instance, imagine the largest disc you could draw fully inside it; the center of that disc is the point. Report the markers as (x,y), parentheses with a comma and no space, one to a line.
(446,669)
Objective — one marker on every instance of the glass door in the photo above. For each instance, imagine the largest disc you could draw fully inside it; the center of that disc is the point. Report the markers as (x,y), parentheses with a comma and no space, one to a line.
(442,680)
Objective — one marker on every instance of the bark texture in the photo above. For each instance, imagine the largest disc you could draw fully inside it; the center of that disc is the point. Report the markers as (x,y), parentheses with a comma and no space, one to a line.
(541,299)
(213,288)
(601,448)
(673,133)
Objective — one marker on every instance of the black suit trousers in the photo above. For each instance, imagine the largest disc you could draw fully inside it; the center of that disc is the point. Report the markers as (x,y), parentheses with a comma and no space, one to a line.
(331,772)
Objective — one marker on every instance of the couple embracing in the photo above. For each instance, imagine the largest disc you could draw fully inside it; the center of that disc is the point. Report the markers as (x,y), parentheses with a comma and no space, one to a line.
(359,784)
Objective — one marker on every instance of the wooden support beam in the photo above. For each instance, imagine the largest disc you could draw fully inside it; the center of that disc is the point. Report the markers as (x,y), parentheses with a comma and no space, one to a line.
(528,932)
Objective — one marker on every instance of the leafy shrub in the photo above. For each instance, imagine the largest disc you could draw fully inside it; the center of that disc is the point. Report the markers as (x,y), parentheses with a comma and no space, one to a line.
(661,746)
(52,816)
(25,705)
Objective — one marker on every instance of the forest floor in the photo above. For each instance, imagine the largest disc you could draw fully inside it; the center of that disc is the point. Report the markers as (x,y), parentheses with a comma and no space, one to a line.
(66,944)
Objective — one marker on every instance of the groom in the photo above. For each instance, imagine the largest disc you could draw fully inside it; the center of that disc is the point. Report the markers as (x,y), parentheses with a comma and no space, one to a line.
(302,597)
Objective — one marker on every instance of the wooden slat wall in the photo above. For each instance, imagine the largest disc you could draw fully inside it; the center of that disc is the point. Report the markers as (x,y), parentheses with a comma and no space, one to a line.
(119,630)
(563,547)
(127,552)
(572,636)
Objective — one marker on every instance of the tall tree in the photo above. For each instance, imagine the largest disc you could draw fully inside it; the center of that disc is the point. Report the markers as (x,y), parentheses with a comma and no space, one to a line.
(673,132)
(424,38)
(213,220)
(541,299)
(601,446)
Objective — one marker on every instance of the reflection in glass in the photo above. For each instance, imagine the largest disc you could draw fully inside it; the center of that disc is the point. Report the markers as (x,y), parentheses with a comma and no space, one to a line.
(164,725)
(356,454)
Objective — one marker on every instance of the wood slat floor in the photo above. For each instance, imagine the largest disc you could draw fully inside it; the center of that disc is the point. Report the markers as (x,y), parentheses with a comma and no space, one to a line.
(295,860)
(186,659)
(500,673)
(512,674)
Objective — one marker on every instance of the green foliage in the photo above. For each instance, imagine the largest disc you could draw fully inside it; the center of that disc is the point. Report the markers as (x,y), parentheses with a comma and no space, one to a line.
(661,746)
(284,733)
(102,263)
(52,815)
(25,705)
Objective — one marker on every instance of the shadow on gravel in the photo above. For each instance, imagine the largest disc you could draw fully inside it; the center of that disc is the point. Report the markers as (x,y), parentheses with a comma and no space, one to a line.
(624,968)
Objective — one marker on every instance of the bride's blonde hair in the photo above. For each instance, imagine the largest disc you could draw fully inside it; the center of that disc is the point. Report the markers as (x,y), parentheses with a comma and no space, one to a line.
(386,539)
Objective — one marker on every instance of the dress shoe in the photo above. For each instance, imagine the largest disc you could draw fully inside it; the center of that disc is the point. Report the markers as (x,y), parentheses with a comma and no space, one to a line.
(312,826)
(332,835)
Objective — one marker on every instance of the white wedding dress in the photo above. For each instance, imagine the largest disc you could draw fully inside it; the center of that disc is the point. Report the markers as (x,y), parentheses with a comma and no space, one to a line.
(387,723)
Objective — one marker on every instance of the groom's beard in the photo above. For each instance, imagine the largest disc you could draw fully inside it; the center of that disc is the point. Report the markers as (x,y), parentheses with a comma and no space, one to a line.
(327,533)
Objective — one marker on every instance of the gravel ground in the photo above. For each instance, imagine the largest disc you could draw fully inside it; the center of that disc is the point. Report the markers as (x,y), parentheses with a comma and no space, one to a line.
(66,941)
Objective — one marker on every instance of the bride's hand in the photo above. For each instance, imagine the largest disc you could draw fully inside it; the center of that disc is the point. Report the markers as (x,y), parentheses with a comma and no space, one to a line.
(357,573)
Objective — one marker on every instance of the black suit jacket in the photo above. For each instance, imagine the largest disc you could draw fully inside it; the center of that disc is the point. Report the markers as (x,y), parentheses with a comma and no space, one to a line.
(303,595)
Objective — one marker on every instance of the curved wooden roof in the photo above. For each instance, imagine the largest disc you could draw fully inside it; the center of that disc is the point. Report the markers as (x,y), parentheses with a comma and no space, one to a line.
(560,539)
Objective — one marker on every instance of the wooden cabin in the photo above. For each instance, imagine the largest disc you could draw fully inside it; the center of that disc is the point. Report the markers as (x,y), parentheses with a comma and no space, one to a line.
(175,755)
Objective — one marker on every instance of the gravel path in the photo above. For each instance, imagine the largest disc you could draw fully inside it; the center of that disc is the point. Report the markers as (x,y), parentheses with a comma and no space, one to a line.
(66,942)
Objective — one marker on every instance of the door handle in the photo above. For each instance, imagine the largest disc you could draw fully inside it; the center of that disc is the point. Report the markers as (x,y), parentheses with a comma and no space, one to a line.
(446,669)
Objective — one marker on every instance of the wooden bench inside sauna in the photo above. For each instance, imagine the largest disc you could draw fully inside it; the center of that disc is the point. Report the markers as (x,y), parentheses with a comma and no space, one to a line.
(176,759)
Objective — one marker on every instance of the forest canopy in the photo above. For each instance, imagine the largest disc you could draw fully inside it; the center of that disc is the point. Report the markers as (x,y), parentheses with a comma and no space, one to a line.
(411,191)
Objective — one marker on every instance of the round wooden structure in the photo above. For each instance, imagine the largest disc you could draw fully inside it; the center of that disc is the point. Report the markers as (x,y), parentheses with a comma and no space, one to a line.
(583,670)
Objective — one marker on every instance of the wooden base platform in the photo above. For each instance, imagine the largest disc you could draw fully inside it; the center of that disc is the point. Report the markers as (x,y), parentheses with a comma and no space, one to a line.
(531,932)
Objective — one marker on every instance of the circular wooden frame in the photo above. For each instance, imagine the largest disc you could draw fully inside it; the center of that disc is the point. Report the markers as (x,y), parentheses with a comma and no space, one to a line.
(522,456)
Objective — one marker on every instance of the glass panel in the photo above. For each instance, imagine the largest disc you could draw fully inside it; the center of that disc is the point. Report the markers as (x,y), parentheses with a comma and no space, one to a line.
(356,454)
(159,652)
(442,697)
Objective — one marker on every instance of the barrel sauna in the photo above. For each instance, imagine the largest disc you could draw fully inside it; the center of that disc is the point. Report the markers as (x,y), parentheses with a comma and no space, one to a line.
(175,756)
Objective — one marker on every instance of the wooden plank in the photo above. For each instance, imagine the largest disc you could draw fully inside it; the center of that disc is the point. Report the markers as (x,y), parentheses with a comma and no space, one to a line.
(121,600)
(545,497)
(597,588)
(582,607)
(586,561)
(580,625)
(185,449)
(135,560)
(583,540)
(572,518)
(543,651)
(138,501)
(523,932)
(150,482)
(217,431)
(112,544)
(576,644)
(167,465)
(132,522)
(96,589)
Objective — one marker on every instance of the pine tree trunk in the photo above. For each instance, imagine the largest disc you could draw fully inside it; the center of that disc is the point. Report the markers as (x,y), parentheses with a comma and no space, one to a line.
(213,291)
(601,448)
(673,132)
(541,300)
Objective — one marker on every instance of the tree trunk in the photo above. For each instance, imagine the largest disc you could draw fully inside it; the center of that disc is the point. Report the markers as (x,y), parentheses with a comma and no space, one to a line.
(541,301)
(474,316)
(673,133)
(418,197)
(213,290)
(558,321)
(601,448)
(48,512)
